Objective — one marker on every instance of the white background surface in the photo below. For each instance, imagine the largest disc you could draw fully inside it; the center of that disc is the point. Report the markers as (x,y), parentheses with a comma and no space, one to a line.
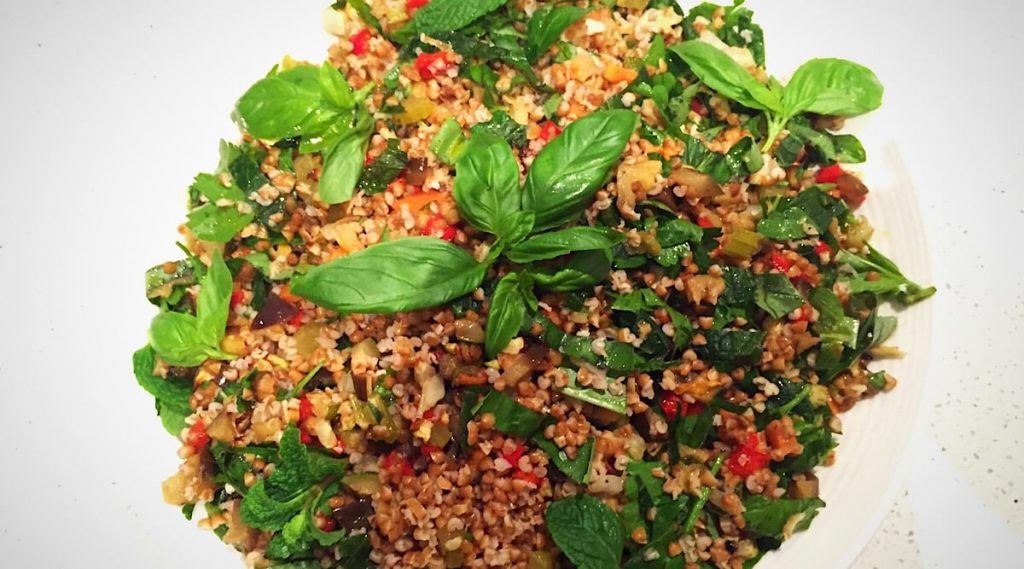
(95,102)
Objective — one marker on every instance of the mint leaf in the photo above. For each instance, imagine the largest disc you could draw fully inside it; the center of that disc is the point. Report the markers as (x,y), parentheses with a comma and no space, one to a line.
(587,531)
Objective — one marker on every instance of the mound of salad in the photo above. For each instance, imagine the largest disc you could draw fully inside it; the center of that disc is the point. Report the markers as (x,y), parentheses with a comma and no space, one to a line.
(521,283)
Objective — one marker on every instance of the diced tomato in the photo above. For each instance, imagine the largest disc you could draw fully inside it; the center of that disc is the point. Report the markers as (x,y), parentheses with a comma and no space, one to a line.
(822,248)
(305,409)
(804,314)
(748,458)
(549,130)
(780,262)
(438,225)
(429,414)
(427,450)
(670,403)
(705,222)
(529,477)
(305,438)
(697,107)
(237,297)
(411,5)
(514,456)
(397,461)
(361,41)
(296,320)
(197,437)
(430,65)
(449,233)
(829,174)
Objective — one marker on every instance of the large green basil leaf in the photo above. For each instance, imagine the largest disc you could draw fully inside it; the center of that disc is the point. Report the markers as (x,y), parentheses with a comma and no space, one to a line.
(487,188)
(214,301)
(558,243)
(506,315)
(546,26)
(451,15)
(276,106)
(395,276)
(712,66)
(584,269)
(832,87)
(587,531)
(567,172)
(509,416)
(175,337)
(343,166)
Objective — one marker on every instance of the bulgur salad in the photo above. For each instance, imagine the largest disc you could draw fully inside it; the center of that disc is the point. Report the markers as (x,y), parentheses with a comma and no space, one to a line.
(511,283)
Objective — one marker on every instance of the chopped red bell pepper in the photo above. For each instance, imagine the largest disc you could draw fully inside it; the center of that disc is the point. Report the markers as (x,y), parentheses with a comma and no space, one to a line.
(705,222)
(305,409)
(529,477)
(670,404)
(780,262)
(747,458)
(296,320)
(822,248)
(449,233)
(829,174)
(430,65)
(514,456)
(305,438)
(197,437)
(237,297)
(549,130)
(361,41)
(395,460)
(411,5)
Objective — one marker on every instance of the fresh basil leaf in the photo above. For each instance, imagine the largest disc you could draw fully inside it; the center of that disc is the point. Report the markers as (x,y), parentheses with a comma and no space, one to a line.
(578,468)
(395,276)
(211,187)
(721,73)
(583,270)
(767,517)
(175,337)
(451,15)
(510,417)
(645,300)
(559,243)
(776,295)
(343,166)
(506,315)
(832,87)
(384,169)
(214,301)
(335,87)
(781,225)
(276,106)
(487,188)
(209,222)
(546,26)
(587,531)
(849,150)
(566,173)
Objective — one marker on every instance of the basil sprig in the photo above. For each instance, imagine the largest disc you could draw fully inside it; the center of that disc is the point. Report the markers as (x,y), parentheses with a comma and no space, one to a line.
(186,340)
(823,86)
(419,272)
(318,105)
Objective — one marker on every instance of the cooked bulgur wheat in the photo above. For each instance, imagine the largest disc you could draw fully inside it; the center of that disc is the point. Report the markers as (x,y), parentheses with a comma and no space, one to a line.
(378,354)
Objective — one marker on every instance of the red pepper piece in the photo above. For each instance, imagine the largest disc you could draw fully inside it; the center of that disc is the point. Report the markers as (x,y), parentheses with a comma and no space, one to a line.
(549,130)
(829,174)
(328,524)
(697,107)
(822,248)
(748,458)
(237,297)
(529,477)
(305,409)
(197,437)
(670,404)
(430,65)
(361,41)
(449,233)
(411,5)
(780,262)
(514,456)
(705,222)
